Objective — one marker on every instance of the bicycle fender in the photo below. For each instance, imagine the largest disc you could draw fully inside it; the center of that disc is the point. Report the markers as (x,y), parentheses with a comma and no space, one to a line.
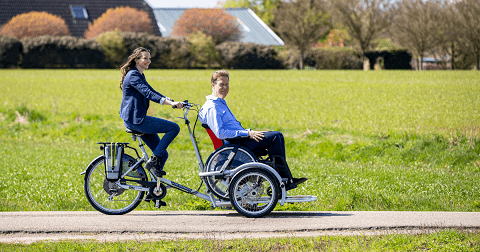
(243,167)
(91,163)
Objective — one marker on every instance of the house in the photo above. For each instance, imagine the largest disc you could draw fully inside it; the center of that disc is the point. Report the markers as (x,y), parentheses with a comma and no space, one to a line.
(254,29)
(76,13)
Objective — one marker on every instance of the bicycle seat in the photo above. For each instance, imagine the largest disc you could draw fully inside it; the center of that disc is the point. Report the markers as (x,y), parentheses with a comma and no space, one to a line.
(130,131)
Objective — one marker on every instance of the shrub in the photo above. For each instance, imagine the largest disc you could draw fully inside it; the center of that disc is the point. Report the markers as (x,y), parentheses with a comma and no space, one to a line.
(34,24)
(248,56)
(394,59)
(324,58)
(166,53)
(113,47)
(61,52)
(121,18)
(215,23)
(10,52)
(203,49)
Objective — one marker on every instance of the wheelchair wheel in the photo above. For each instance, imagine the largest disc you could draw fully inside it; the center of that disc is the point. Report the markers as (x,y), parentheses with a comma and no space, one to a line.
(219,187)
(105,196)
(254,192)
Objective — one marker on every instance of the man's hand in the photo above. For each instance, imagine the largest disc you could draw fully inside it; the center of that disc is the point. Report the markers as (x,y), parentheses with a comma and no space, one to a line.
(256,135)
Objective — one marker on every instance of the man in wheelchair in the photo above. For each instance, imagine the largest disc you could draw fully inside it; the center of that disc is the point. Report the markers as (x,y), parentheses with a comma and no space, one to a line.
(216,114)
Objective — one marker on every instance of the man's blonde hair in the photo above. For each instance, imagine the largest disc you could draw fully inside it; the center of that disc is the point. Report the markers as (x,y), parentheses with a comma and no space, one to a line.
(217,74)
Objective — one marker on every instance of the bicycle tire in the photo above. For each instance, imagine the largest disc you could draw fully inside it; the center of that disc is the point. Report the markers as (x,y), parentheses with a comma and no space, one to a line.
(249,192)
(99,190)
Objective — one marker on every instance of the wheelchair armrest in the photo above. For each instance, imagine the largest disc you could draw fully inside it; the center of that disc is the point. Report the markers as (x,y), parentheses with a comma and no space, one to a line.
(237,138)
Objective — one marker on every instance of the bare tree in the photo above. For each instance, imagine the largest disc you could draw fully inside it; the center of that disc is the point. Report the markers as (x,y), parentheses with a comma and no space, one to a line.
(365,19)
(446,35)
(414,26)
(302,22)
(469,26)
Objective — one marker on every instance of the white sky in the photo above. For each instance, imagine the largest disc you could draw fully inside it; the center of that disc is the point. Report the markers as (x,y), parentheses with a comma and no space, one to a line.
(182,3)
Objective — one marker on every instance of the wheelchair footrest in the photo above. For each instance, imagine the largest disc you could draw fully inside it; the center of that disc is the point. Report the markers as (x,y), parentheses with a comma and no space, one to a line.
(300,198)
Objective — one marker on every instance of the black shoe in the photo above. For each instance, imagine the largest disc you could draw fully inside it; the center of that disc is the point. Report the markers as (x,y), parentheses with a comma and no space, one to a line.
(298,181)
(153,165)
(290,186)
(295,183)
(159,173)
(152,162)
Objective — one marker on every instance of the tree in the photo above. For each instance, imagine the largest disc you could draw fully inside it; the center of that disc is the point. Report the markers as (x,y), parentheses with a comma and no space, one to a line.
(203,48)
(469,24)
(447,36)
(33,24)
(414,26)
(121,19)
(215,23)
(113,46)
(263,8)
(301,23)
(365,19)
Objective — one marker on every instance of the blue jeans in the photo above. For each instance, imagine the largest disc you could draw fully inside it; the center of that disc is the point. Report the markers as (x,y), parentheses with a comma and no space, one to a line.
(151,126)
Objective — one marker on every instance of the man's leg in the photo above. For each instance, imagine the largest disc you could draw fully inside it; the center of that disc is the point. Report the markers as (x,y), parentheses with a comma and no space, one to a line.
(273,142)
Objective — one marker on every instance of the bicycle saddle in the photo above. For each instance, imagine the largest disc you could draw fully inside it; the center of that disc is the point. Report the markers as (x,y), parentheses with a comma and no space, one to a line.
(130,131)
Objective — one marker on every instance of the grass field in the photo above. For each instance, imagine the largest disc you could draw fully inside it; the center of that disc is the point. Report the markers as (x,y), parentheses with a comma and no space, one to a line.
(387,140)
(442,240)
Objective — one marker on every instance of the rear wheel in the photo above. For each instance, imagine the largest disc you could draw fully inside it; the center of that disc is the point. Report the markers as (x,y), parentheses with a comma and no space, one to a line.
(219,187)
(254,192)
(106,196)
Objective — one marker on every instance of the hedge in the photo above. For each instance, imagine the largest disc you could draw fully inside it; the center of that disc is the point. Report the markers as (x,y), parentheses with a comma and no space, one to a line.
(248,56)
(166,53)
(395,59)
(61,52)
(10,52)
(324,58)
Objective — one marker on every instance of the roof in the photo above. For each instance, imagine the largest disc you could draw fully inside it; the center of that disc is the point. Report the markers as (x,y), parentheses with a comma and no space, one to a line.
(93,9)
(254,29)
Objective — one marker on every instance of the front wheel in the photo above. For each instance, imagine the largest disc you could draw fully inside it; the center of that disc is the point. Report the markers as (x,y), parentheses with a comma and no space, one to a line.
(254,193)
(107,197)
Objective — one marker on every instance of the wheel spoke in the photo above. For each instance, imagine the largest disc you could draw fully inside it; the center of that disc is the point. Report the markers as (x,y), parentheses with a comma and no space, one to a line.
(108,197)
(249,197)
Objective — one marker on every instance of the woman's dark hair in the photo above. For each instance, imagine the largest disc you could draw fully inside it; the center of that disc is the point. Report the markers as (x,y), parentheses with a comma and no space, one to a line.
(127,66)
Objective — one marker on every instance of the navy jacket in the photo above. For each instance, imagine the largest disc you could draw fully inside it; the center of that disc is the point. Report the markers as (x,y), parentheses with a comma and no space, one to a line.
(136,96)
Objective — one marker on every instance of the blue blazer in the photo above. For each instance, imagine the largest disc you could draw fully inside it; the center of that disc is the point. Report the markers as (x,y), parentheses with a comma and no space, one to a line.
(136,96)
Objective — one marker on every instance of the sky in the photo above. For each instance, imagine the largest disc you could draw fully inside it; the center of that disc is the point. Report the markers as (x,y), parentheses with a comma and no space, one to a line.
(182,3)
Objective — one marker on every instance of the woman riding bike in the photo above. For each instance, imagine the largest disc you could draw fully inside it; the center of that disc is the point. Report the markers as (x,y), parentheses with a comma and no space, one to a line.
(137,94)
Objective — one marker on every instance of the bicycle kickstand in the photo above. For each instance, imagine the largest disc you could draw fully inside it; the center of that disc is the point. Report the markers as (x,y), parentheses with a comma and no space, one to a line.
(159,203)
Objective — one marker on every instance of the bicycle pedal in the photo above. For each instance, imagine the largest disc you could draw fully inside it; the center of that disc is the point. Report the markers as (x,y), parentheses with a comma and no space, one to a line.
(159,204)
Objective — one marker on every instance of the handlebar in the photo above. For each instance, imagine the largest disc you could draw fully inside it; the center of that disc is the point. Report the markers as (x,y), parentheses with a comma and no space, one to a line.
(185,104)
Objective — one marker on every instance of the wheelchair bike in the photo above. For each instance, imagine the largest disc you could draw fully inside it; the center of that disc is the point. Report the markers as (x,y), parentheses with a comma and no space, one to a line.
(115,183)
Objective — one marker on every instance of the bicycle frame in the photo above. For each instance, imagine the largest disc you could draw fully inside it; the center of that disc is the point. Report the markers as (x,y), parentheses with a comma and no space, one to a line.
(169,183)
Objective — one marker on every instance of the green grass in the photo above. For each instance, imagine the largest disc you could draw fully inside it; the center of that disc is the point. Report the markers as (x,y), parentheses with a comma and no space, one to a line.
(443,240)
(388,140)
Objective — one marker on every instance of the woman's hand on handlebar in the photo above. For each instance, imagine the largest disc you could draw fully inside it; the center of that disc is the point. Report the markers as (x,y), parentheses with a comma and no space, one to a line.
(177,105)
(174,104)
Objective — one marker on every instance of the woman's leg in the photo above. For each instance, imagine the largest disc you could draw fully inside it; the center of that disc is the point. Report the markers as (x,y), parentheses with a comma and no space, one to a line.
(151,126)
